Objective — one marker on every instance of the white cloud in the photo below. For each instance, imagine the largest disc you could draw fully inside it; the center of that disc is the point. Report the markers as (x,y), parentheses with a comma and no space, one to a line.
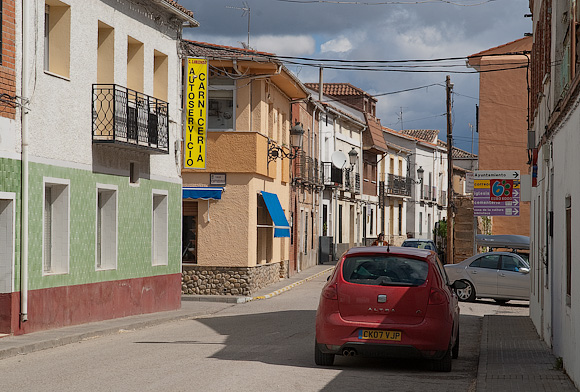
(339,45)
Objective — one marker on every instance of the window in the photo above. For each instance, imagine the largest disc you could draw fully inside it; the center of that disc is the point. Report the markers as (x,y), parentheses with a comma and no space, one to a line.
(133,173)
(420,223)
(510,263)
(568,250)
(160,228)
(105,54)
(221,113)
(340,224)
(400,219)
(55,236)
(7,236)
(106,230)
(385,270)
(488,261)
(135,61)
(305,216)
(57,38)
(160,75)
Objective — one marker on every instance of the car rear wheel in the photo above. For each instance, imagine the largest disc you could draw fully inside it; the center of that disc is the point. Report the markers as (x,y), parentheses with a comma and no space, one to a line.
(455,350)
(322,359)
(443,364)
(468,293)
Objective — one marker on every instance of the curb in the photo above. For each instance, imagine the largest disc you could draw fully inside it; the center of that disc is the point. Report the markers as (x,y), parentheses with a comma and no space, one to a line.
(280,291)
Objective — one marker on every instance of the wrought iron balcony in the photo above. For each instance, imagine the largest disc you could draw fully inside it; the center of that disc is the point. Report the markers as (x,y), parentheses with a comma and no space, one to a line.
(128,118)
(331,176)
(398,185)
(307,170)
(351,181)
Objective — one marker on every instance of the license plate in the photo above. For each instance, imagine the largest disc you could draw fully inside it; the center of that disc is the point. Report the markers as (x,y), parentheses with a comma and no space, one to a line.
(375,334)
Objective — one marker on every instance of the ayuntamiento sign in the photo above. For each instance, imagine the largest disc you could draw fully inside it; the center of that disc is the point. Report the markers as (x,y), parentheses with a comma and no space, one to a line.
(195,134)
(496,193)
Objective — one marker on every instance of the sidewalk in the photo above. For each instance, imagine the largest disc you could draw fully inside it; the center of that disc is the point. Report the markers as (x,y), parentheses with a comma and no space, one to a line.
(192,306)
(513,358)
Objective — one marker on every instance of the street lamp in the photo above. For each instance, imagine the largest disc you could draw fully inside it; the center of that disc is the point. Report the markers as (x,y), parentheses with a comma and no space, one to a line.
(353,158)
(420,172)
(275,152)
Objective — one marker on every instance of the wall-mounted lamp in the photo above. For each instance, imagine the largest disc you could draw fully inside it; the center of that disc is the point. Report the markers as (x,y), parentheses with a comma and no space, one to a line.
(420,172)
(275,152)
(353,158)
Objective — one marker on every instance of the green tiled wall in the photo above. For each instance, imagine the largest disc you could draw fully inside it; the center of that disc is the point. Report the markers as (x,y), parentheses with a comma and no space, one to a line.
(134,227)
(10,182)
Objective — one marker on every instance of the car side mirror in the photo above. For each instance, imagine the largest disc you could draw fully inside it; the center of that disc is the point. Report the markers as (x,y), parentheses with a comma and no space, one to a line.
(524,270)
(459,285)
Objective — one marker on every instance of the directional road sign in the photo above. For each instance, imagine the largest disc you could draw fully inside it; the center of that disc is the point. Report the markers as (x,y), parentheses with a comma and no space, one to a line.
(496,193)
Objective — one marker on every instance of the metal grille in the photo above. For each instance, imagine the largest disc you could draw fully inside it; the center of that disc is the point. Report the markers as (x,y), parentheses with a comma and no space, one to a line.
(125,116)
(398,185)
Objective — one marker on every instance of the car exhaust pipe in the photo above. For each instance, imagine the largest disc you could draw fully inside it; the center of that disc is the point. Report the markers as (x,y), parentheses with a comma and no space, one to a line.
(349,352)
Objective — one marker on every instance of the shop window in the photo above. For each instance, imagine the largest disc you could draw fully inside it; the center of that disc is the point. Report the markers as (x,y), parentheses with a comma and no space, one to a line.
(189,235)
(56,211)
(106,230)
(160,229)
(7,233)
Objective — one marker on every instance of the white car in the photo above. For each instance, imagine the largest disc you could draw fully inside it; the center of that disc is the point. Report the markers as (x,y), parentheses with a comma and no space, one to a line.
(499,275)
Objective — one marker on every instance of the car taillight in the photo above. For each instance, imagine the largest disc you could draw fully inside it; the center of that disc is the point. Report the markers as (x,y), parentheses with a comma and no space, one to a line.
(329,292)
(436,297)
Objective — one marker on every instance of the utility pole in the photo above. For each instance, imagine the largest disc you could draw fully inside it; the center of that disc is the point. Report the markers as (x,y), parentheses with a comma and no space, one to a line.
(448,89)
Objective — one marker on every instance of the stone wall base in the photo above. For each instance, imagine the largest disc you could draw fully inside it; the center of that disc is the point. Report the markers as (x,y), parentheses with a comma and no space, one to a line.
(244,281)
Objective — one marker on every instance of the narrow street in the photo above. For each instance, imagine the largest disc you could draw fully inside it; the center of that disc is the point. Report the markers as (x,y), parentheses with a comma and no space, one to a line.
(264,345)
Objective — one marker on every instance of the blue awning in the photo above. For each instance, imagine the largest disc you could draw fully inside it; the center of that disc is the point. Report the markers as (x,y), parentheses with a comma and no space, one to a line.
(281,225)
(204,193)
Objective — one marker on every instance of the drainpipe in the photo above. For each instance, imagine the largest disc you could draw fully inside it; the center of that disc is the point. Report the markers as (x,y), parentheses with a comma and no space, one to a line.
(24,173)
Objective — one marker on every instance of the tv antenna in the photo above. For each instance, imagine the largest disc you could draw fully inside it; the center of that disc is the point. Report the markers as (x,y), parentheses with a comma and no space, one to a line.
(245,11)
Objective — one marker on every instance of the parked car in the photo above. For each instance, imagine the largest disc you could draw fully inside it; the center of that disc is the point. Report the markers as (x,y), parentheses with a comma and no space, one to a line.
(499,275)
(388,302)
(419,243)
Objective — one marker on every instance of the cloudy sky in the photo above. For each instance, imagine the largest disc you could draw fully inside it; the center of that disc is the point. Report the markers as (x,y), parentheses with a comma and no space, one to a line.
(409,29)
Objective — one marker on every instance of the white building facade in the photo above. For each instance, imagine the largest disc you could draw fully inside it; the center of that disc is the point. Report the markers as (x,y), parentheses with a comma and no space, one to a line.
(553,145)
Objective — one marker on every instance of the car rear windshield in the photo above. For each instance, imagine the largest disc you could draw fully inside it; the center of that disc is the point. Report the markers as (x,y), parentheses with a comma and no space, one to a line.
(385,270)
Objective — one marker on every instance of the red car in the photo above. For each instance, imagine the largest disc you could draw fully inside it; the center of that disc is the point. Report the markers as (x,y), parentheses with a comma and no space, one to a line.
(388,302)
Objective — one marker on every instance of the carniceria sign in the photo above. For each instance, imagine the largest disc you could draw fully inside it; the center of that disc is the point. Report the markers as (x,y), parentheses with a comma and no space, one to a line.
(195,114)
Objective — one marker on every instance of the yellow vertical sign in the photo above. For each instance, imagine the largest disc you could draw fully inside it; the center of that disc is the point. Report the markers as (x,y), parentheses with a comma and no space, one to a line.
(195,114)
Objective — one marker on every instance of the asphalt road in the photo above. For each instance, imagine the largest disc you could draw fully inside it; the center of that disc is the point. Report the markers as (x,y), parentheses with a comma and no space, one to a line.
(264,345)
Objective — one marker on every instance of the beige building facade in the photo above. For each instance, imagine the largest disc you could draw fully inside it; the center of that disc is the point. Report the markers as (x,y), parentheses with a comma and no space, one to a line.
(232,241)
(503,106)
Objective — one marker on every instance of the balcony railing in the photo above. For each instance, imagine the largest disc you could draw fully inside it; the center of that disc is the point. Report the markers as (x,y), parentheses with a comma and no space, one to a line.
(307,170)
(398,185)
(351,181)
(331,176)
(129,118)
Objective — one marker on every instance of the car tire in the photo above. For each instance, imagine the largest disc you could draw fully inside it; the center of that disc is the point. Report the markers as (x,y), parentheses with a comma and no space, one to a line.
(322,359)
(443,364)
(467,294)
(455,350)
